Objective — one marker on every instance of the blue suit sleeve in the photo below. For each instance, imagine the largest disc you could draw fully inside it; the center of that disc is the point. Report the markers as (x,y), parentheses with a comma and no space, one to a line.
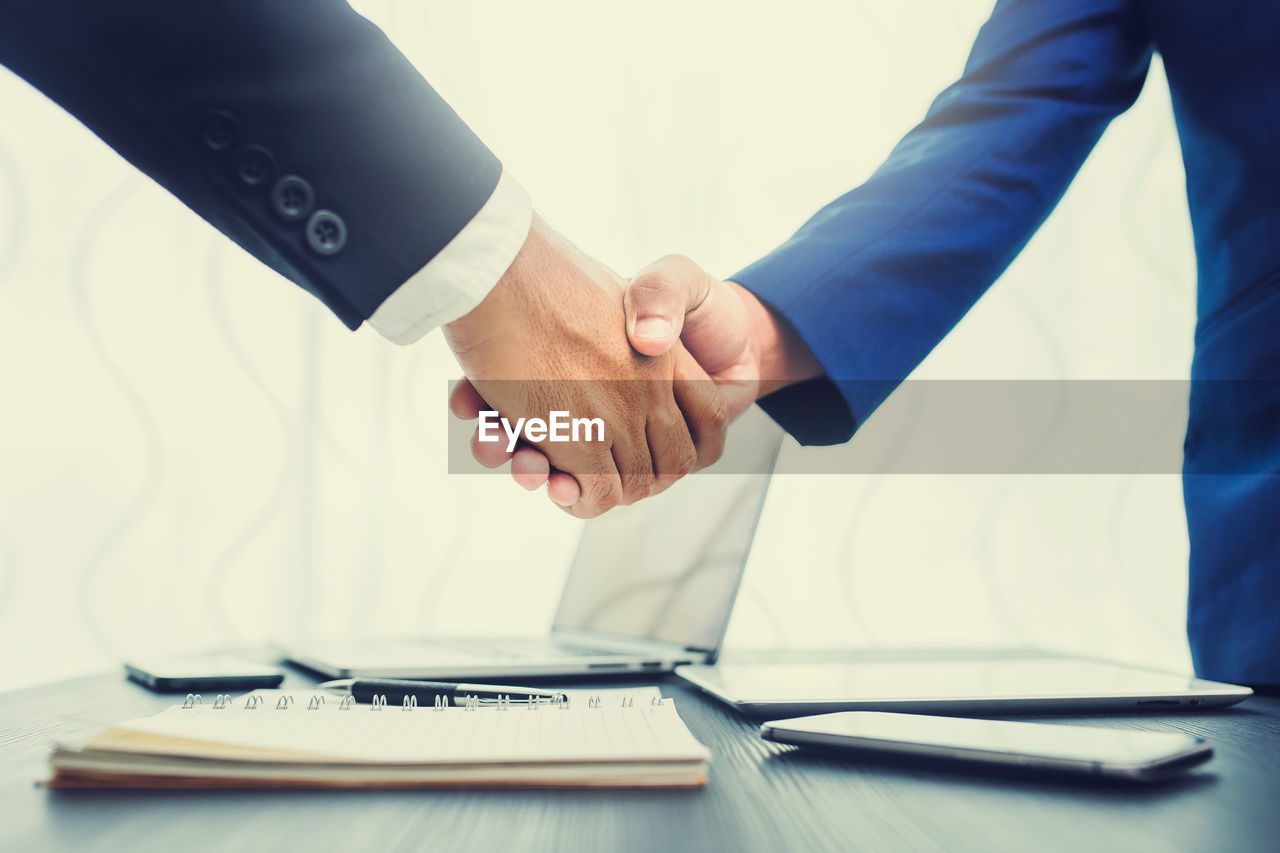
(879,276)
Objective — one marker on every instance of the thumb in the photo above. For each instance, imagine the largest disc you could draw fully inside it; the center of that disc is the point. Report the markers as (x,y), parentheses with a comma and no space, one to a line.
(703,311)
(657,300)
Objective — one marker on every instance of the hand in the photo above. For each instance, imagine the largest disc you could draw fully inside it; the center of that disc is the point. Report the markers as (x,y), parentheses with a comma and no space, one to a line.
(553,324)
(744,346)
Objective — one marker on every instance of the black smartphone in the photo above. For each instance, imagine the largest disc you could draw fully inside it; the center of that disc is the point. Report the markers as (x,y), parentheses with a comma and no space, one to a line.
(214,673)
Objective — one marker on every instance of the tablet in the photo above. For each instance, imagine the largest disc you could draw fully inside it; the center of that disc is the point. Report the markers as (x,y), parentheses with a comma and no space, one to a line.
(972,686)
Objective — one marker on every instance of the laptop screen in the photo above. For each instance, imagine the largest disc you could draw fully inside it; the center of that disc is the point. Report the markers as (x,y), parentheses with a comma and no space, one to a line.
(668,568)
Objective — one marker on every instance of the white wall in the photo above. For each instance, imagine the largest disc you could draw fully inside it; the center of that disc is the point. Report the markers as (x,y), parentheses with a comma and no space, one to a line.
(193,452)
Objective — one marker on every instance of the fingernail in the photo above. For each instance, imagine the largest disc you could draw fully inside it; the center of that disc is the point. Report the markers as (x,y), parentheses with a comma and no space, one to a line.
(656,328)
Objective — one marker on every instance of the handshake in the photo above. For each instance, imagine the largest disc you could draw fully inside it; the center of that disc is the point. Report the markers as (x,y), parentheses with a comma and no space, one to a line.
(656,369)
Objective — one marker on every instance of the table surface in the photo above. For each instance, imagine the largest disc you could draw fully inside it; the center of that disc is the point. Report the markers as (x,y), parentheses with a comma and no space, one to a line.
(761,796)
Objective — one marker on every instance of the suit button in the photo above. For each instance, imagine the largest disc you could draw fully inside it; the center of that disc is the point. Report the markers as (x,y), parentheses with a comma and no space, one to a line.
(218,130)
(254,165)
(326,233)
(292,198)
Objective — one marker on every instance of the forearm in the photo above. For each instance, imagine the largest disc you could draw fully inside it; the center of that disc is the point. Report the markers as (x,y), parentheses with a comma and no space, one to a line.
(875,279)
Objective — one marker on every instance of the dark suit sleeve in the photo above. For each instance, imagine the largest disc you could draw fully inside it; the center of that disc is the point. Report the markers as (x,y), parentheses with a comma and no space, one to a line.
(296,128)
(876,278)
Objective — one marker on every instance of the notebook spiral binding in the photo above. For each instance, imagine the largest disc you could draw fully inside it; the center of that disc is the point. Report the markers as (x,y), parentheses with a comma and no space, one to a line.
(471,702)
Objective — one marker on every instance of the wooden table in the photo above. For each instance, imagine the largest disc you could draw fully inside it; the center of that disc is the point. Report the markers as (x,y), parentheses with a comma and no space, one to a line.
(761,796)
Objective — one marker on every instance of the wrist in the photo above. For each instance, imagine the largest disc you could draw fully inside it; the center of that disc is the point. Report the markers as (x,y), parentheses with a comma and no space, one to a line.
(486,321)
(781,355)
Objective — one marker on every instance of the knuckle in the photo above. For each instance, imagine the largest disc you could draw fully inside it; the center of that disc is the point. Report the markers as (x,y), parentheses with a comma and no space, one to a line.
(710,449)
(716,415)
(609,500)
(669,421)
(651,285)
(603,494)
(664,275)
(639,487)
(660,487)
(671,434)
(687,459)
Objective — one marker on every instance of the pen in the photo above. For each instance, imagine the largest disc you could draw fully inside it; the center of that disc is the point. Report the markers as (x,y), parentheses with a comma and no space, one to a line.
(425,692)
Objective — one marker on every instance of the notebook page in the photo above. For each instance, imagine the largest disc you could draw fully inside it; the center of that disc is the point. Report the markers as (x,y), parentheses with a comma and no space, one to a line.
(426,735)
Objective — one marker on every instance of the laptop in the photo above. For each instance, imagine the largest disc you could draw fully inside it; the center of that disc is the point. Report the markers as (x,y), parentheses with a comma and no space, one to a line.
(650,588)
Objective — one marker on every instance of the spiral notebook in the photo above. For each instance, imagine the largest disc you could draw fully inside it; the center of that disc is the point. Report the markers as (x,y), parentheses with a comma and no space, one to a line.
(247,742)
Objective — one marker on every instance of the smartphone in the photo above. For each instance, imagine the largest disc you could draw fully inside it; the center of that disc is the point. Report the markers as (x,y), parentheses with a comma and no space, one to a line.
(1118,753)
(216,673)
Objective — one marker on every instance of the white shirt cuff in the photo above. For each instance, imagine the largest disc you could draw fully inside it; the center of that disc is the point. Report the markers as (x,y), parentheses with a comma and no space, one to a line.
(466,269)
